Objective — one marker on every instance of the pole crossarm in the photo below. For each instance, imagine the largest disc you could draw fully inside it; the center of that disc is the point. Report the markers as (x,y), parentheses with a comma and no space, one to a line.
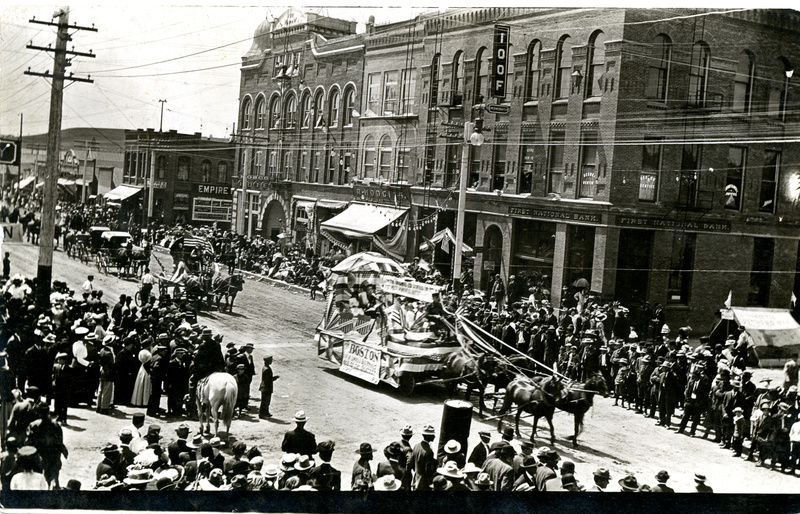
(61,76)
(31,46)
(74,26)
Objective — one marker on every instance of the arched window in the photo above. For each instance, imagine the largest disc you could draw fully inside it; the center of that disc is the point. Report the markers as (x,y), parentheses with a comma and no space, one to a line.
(457,90)
(564,67)
(743,82)
(595,64)
(436,73)
(368,165)
(290,111)
(698,74)
(247,113)
(319,108)
(306,112)
(161,167)
(333,108)
(534,70)
(205,171)
(222,172)
(275,112)
(260,112)
(385,158)
(779,86)
(349,106)
(183,169)
(481,76)
(658,68)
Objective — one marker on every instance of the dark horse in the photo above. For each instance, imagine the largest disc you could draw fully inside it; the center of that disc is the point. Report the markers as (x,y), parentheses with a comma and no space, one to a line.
(580,398)
(228,288)
(472,370)
(537,396)
(121,258)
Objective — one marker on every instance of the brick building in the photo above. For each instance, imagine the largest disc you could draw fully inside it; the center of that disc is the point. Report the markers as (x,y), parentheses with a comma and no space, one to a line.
(647,151)
(191,177)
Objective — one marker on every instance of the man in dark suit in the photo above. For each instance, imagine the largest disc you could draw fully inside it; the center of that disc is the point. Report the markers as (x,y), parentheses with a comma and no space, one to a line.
(326,477)
(299,440)
(175,448)
(601,479)
(479,453)
(157,367)
(499,467)
(423,462)
(266,388)
(662,487)
(110,465)
(127,366)
(695,400)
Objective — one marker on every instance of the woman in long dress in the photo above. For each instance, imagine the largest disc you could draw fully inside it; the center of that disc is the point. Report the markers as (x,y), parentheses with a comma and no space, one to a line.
(142,386)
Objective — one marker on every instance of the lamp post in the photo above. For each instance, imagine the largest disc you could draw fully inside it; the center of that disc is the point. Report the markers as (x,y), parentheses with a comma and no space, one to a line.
(472,137)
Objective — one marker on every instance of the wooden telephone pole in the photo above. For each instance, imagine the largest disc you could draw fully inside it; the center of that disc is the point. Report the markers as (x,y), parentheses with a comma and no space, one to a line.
(45,268)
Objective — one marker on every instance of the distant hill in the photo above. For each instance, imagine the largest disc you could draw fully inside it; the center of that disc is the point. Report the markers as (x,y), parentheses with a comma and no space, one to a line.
(74,137)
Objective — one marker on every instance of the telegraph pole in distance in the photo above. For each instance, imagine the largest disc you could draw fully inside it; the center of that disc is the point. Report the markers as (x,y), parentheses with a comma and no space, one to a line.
(45,267)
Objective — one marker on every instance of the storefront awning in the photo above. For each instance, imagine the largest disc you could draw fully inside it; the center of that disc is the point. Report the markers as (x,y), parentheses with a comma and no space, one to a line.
(122,193)
(360,220)
(27,181)
(331,204)
(775,333)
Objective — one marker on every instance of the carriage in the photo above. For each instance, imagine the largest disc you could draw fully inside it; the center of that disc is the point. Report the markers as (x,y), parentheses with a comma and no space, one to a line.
(114,252)
(396,345)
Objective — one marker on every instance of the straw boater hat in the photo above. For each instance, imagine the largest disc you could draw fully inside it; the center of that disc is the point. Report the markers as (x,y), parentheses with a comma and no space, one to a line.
(287,461)
(387,483)
(452,446)
(450,470)
(304,463)
(483,480)
(139,476)
(428,430)
(300,417)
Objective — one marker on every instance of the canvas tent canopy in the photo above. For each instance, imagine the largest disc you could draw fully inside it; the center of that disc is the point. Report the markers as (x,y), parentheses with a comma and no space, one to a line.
(774,332)
(122,193)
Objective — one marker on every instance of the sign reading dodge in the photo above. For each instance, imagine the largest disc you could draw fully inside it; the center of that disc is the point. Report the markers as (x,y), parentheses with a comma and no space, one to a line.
(500,61)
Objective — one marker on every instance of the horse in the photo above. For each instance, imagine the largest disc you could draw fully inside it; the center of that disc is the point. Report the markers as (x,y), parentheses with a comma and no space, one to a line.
(218,390)
(537,396)
(139,258)
(463,366)
(121,258)
(227,287)
(579,399)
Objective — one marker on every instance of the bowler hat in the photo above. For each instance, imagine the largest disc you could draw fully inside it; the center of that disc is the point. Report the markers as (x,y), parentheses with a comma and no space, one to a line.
(662,476)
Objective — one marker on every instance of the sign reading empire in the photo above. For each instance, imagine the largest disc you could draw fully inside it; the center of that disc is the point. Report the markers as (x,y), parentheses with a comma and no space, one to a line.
(531,212)
(361,361)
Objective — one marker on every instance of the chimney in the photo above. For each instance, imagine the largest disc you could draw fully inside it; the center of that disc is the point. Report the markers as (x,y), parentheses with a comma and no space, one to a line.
(371,25)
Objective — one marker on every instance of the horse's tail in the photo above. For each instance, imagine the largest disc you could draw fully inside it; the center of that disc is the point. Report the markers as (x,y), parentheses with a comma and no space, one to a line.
(229,404)
(508,400)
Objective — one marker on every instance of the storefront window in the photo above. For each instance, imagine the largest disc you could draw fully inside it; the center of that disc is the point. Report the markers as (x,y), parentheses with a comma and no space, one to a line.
(681,263)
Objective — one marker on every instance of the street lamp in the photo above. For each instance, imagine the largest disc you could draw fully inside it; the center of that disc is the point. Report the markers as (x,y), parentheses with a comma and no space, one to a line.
(473,135)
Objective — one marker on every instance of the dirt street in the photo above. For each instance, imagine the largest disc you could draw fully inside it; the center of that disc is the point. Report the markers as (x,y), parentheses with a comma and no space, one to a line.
(350,411)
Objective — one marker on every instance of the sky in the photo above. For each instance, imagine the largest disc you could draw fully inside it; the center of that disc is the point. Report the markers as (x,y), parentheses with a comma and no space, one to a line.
(187,55)
(143,55)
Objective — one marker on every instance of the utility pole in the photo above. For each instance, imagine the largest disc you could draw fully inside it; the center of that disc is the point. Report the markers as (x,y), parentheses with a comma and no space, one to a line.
(45,266)
(19,164)
(161,123)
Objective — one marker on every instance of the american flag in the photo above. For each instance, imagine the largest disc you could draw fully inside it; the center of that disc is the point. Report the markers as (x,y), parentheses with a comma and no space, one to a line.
(195,242)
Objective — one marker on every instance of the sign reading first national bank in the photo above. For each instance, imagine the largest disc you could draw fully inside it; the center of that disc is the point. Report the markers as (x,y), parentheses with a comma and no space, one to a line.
(673,224)
(553,214)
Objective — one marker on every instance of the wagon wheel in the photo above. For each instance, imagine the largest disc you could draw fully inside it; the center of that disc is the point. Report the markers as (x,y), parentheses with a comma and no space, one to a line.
(138,298)
(408,383)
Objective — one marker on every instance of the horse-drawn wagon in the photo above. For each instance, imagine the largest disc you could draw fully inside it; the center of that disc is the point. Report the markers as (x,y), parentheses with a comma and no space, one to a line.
(115,252)
(397,344)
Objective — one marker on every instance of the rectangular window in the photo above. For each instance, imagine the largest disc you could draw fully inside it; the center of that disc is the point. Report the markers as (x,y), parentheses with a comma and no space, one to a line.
(316,164)
(698,75)
(526,166)
(555,176)
(347,163)
(760,277)
(303,172)
(385,162)
(258,163)
(409,91)
(734,177)
(273,164)
(288,165)
(681,263)
(588,165)
(769,181)
(374,93)
(690,165)
(651,171)
(369,162)
(403,164)
(474,166)
(452,164)
(391,93)
(499,161)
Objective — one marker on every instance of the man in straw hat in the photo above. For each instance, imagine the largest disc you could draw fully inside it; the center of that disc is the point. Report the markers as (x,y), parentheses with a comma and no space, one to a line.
(453,475)
(299,440)
(422,461)
(700,484)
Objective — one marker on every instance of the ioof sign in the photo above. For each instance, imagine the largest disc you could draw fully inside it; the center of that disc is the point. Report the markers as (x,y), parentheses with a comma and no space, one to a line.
(498,109)
(361,361)
(500,60)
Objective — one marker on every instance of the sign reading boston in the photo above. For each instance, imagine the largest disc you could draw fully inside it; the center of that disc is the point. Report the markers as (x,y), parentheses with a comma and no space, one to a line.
(702,225)
(361,361)
(532,212)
